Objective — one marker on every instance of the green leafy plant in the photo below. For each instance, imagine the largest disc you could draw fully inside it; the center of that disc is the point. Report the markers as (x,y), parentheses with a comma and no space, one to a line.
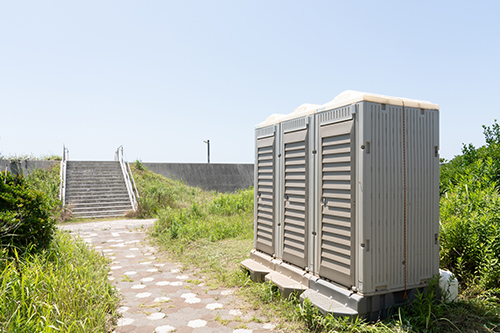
(25,215)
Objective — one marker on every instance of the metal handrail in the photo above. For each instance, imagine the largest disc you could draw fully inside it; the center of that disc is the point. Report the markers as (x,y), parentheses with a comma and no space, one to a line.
(130,186)
(62,187)
(133,181)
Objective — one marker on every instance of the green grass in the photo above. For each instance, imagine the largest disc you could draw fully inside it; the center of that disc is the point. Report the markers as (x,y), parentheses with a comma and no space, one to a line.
(158,193)
(64,288)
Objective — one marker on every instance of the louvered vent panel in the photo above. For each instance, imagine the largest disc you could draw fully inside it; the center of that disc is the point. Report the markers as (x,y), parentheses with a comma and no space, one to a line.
(294,232)
(337,230)
(265,195)
(293,125)
(336,115)
(265,131)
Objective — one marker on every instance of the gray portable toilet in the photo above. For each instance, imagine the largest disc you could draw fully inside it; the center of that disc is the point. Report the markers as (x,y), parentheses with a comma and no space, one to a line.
(347,202)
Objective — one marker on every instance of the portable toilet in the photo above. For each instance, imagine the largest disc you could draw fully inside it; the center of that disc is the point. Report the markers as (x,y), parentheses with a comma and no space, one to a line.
(347,202)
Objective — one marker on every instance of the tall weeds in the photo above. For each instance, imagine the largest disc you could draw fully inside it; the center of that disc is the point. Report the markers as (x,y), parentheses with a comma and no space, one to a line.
(64,288)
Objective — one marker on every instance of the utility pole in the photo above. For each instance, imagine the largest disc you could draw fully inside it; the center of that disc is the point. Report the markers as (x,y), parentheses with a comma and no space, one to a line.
(208,150)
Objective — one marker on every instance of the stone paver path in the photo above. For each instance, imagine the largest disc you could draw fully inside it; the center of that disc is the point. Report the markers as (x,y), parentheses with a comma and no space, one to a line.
(157,295)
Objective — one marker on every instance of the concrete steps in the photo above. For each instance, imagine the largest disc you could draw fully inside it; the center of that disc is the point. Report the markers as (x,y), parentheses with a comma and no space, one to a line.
(96,189)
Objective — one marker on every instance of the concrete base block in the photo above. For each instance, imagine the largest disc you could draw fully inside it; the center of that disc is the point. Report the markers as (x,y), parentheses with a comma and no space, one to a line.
(327,305)
(257,271)
(286,285)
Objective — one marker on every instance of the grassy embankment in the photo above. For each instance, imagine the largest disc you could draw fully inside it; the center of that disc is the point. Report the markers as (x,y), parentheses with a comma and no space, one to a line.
(48,281)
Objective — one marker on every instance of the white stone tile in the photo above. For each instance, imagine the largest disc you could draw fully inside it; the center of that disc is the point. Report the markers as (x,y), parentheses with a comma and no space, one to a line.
(122,309)
(156,316)
(147,279)
(138,286)
(161,299)
(125,321)
(176,283)
(164,329)
(197,323)
(162,283)
(143,295)
(193,300)
(213,306)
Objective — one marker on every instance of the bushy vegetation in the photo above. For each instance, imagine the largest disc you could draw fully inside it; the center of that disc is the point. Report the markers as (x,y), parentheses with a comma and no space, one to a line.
(48,282)
(25,216)
(62,288)
(470,214)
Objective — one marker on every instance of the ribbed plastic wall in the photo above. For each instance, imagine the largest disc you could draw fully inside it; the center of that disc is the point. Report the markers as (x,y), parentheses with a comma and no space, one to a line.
(383,197)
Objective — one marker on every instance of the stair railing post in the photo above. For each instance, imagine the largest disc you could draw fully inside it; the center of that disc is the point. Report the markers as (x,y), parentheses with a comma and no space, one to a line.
(62,188)
(128,184)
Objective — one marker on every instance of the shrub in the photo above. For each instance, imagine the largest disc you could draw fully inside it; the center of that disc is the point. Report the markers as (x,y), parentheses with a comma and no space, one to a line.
(470,214)
(25,219)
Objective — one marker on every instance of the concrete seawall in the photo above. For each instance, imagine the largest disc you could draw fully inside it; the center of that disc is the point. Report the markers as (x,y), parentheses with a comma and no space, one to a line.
(213,176)
(218,177)
(25,167)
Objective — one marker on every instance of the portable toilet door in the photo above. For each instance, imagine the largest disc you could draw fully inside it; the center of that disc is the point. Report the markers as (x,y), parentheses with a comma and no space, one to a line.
(294,170)
(336,170)
(265,189)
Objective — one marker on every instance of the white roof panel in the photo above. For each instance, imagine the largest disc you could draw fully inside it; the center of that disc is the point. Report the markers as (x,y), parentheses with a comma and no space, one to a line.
(347,97)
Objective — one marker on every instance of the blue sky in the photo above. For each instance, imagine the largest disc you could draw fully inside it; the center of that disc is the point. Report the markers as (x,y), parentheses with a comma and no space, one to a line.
(159,77)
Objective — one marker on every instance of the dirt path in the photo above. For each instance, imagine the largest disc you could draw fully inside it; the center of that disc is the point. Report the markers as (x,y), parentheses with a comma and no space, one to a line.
(157,295)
